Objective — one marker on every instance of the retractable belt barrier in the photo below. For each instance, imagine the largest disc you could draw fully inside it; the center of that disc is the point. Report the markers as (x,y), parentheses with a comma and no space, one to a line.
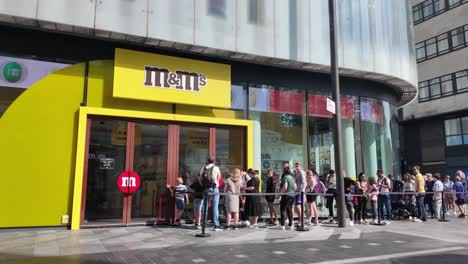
(207,194)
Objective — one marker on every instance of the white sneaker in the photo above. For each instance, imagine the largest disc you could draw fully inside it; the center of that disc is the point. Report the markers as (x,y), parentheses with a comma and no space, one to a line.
(387,222)
(255,226)
(416,220)
(291,227)
(351,223)
(410,218)
(282,228)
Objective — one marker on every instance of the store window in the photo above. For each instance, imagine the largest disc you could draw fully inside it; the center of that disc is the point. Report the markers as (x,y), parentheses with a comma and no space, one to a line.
(17,74)
(376,136)
(321,124)
(278,116)
(230,149)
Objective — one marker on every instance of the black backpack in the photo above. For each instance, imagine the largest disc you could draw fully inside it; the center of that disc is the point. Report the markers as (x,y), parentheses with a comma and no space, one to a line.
(207,179)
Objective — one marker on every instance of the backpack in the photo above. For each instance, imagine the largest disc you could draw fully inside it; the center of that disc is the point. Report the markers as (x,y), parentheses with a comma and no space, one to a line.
(320,187)
(207,179)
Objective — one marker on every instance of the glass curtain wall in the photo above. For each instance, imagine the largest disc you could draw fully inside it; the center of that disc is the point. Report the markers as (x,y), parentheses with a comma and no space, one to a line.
(279,137)
(321,129)
(376,136)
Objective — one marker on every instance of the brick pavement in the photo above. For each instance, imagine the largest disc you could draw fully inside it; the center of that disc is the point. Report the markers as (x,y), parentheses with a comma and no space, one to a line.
(400,241)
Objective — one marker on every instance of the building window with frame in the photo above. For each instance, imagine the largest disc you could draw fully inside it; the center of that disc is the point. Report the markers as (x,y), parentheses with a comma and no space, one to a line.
(458,38)
(442,43)
(431,8)
(446,84)
(462,80)
(434,87)
(420,51)
(439,45)
(453,132)
(423,92)
(464,121)
(417,13)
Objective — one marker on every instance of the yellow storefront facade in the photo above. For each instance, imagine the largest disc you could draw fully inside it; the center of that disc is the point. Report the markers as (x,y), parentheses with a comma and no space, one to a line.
(62,151)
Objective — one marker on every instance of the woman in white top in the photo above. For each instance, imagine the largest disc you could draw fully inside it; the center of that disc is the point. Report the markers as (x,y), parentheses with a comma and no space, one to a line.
(410,199)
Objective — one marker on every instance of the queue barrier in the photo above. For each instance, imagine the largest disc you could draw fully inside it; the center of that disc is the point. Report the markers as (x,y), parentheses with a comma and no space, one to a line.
(207,194)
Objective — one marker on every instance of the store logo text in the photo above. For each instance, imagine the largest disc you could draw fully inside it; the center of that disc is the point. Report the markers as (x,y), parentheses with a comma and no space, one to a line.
(182,80)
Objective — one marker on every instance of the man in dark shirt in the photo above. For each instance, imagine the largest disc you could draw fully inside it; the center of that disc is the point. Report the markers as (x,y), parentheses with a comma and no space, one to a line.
(271,188)
(429,197)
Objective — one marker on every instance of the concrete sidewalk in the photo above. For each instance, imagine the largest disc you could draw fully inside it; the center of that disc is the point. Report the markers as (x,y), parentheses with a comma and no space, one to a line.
(162,244)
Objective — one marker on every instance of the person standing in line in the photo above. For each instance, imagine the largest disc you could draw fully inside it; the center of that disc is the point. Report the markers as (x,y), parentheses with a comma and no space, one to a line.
(245,178)
(311,189)
(301,182)
(181,196)
(331,190)
(384,188)
(287,185)
(232,187)
(197,188)
(211,176)
(410,198)
(253,203)
(429,197)
(459,191)
(419,188)
(373,192)
(462,176)
(362,187)
(271,188)
(437,197)
(448,196)
(349,186)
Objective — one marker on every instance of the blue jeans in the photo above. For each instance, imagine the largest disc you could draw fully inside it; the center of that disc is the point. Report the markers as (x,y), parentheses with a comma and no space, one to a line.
(215,205)
(421,207)
(385,202)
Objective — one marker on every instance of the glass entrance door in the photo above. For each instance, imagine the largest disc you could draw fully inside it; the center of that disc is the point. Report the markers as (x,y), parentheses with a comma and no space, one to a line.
(158,152)
(106,160)
(150,162)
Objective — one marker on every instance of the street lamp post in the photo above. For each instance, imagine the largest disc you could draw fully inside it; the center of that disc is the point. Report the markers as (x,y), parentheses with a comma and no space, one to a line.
(335,80)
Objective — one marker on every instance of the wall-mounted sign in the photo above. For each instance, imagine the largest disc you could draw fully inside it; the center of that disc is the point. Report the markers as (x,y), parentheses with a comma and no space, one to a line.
(22,73)
(128,182)
(153,77)
(107,164)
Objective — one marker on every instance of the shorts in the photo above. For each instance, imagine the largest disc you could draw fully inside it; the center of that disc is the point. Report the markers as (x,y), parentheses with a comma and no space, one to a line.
(311,198)
(180,204)
(299,199)
(198,204)
(270,198)
(460,201)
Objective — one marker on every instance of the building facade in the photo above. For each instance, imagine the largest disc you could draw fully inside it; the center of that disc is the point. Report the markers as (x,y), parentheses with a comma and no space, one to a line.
(435,125)
(98,89)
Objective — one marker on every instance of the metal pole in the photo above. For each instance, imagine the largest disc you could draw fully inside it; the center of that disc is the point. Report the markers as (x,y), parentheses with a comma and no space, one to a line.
(334,72)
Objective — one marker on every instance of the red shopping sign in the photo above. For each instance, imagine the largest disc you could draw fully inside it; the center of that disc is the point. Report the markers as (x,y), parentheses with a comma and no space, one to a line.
(128,182)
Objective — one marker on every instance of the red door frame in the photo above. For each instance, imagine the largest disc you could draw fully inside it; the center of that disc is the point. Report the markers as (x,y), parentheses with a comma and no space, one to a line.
(172,165)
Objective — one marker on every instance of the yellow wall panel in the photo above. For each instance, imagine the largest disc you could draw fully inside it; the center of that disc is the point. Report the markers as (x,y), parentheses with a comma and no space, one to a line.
(37,139)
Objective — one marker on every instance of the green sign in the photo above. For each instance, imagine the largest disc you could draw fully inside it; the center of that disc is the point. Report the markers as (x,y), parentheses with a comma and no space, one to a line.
(12,72)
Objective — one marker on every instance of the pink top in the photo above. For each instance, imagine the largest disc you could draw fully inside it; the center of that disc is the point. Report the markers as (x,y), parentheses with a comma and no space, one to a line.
(374,192)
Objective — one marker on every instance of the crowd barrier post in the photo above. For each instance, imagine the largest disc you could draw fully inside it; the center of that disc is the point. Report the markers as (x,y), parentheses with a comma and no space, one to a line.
(174,209)
(378,209)
(301,227)
(205,208)
(443,209)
